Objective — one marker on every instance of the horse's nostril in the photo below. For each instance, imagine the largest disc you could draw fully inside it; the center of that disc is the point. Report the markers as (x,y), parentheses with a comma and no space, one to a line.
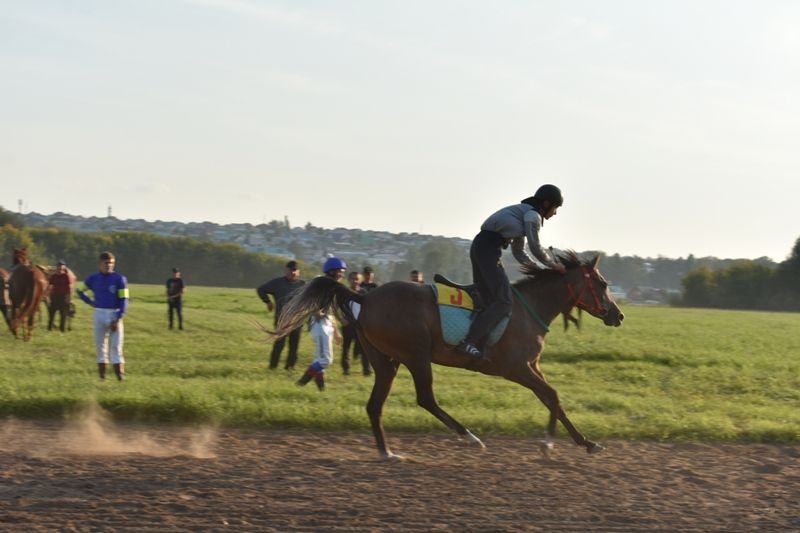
(621,317)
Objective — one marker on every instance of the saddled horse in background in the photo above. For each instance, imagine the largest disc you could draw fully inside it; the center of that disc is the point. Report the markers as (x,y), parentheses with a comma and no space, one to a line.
(398,323)
(26,287)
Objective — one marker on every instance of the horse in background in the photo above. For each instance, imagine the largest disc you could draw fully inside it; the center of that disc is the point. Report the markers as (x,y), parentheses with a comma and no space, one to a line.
(27,285)
(399,323)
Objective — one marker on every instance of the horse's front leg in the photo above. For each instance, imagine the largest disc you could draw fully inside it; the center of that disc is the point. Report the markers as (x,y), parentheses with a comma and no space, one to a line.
(532,378)
(577,436)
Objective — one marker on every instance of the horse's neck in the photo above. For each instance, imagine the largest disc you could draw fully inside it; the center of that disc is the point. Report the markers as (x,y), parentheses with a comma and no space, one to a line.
(546,300)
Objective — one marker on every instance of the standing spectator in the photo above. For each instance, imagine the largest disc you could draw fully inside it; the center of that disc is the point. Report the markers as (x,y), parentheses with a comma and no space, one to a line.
(59,295)
(281,289)
(368,283)
(323,331)
(175,287)
(349,336)
(417,276)
(110,290)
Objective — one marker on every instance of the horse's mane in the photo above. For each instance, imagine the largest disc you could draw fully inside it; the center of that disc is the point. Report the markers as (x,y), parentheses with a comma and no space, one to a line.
(535,273)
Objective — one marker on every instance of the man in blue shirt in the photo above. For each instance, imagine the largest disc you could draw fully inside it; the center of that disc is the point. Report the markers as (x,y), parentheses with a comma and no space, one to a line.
(110,291)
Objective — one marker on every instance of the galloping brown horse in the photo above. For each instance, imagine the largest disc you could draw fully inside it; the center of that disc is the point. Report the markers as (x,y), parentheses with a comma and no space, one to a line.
(398,323)
(26,287)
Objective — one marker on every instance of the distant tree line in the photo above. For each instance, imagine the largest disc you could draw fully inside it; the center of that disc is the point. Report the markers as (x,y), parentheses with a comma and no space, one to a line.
(662,272)
(746,285)
(146,258)
(437,256)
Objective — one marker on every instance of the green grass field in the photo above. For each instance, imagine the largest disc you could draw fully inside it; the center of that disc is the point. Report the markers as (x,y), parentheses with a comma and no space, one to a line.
(667,374)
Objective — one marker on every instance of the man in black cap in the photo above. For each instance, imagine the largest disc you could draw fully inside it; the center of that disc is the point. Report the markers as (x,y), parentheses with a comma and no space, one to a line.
(368,283)
(175,288)
(281,289)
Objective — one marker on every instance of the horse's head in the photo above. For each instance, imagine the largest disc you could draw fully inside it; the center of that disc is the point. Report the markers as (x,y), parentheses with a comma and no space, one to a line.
(588,290)
(20,256)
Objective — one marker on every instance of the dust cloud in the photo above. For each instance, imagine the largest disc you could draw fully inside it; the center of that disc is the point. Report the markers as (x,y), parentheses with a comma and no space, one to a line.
(92,431)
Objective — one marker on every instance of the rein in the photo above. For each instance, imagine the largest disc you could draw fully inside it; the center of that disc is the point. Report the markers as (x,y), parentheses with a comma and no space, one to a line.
(530,309)
(597,306)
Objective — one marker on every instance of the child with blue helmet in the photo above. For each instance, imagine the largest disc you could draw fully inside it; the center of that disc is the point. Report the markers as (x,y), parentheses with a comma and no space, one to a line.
(323,331)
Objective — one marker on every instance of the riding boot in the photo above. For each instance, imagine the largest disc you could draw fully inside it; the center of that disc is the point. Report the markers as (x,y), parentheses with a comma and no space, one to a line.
(101,369)
(467,348)
(308,376)
(319,379)
(119,370)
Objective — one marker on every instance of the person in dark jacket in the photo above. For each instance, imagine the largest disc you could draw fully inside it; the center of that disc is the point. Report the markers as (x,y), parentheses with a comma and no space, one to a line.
(59,295)
(281,290)
(175,287)
(368,281)
(349,335)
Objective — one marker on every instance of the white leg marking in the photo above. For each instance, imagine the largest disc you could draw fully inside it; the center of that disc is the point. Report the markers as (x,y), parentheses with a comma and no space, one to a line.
(473,439)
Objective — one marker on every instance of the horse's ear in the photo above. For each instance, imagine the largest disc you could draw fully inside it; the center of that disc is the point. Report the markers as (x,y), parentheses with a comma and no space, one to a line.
(595,261)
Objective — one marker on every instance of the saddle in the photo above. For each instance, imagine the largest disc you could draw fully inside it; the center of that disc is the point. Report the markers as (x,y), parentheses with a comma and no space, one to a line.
(470,289)
(457,307)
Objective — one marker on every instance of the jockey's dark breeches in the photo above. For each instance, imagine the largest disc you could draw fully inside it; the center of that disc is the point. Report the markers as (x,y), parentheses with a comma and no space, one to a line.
(492,283)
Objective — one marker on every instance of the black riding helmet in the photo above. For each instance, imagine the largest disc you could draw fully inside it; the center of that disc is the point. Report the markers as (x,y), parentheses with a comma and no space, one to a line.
(545,193)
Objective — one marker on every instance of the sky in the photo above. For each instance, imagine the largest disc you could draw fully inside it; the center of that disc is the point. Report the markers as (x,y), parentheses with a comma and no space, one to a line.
(673,128)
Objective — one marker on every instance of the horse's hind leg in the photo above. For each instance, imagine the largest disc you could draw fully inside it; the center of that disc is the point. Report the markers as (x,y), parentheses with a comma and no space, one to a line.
(385,372)
(422,374)
(28,332)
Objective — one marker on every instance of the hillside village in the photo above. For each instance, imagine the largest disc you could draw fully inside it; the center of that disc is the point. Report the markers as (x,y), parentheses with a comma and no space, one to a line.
(392,255)
(378,248)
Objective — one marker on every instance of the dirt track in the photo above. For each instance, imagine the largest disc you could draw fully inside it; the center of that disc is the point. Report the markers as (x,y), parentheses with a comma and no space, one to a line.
(92,476)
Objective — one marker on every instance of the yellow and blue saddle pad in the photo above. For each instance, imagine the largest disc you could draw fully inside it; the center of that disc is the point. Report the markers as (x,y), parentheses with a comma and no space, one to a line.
(456,311)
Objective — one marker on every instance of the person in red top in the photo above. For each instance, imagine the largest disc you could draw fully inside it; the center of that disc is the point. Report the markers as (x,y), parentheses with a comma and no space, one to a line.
(59,292)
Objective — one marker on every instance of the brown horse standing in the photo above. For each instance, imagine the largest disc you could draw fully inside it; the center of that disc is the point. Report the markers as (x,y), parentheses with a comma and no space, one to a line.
(26,287)
(398,323)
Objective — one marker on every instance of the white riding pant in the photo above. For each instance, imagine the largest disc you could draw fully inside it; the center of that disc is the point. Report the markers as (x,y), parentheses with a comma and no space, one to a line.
(322,335)
(105,340)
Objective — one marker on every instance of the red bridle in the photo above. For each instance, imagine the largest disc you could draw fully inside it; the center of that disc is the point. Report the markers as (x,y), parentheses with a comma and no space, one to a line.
(596,308)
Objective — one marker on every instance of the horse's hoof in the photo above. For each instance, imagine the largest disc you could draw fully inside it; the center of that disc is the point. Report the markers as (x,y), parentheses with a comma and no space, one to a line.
(546,447)
(389,456)
(594,448)
(472,439)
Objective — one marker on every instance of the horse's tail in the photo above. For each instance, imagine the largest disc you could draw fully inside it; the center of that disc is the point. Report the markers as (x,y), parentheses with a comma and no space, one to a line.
(320,293)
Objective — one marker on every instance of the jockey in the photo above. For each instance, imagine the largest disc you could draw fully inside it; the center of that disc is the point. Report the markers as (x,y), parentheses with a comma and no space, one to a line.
(510,225)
